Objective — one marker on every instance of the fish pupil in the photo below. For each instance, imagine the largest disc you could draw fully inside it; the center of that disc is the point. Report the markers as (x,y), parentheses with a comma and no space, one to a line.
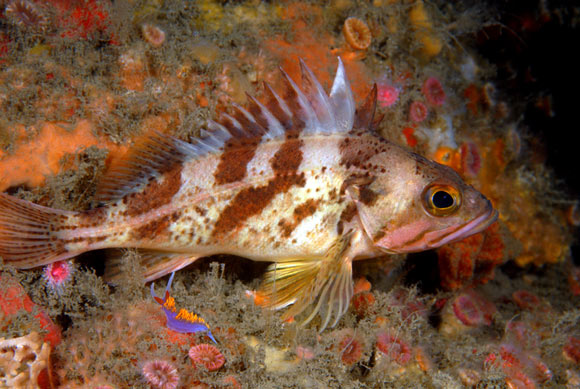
(442,199)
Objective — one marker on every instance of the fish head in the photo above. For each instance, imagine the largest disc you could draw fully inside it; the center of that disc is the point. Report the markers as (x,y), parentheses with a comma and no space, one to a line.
(412,204)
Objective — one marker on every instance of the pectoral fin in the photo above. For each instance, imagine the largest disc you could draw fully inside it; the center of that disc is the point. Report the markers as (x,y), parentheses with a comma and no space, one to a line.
(323,284)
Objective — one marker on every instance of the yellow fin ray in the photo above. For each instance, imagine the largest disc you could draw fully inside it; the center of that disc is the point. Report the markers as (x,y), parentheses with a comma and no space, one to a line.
(323,284)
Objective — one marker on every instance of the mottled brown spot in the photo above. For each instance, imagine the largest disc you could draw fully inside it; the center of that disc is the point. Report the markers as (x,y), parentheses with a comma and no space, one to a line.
(301,212)
(234,161)
(96,239)
(156,194)
(251,201)
(200,210)
(346,216)
(333,194)
(356,150)
(367,196)
(93,217)
(286,227)
(152,229)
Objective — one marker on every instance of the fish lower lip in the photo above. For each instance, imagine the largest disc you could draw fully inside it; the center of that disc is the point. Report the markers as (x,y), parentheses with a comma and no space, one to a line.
(475,226)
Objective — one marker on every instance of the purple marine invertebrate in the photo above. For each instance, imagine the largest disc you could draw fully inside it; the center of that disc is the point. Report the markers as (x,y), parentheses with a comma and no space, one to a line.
(26,14)
(183,321)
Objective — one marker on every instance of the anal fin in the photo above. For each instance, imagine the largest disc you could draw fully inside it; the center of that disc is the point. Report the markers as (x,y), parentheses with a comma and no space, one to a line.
(323,284)
(155,263)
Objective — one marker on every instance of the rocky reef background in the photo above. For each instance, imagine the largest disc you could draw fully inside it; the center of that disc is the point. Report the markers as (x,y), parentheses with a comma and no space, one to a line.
(486,88)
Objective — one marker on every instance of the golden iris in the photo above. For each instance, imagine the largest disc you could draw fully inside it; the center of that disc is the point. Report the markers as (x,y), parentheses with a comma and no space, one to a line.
(441,200)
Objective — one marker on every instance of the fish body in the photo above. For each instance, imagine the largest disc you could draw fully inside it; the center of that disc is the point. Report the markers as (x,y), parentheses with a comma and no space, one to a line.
(301,180)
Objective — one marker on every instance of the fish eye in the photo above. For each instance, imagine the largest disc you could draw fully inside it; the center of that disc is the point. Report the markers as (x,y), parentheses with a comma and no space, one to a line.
(441,200)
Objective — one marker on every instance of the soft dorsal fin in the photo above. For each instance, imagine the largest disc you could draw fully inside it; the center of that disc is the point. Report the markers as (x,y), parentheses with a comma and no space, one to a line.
(150,157)
(309,110)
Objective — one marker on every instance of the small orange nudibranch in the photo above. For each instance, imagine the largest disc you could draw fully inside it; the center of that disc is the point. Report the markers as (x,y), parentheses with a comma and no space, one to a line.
(183,321)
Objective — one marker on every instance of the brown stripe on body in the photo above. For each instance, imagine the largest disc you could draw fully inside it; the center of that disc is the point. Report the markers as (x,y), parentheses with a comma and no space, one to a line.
(154,228)
(301,212)
(234,160)
(252,201)
(156,194)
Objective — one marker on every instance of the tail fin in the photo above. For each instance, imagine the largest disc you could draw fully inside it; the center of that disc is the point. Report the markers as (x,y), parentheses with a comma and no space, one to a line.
(29,233)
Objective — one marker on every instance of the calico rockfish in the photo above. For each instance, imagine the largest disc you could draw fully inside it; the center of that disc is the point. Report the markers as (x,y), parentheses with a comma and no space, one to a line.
(301,180)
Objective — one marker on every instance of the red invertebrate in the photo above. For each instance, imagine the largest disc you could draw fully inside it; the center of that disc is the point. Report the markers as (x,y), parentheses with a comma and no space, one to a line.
(571,350)
(526,300)
(363,303)
(466,310)
(433,92)
(57,274)
(14,300)
(231,382)
(522,369)
(361,285)
(477,256)
(160,374)
(394,347)
(387,94)
(351,348)
(470,159)
(408,306)
(83,20)
(417,112)
(207,355)
(408,132)
(473,97)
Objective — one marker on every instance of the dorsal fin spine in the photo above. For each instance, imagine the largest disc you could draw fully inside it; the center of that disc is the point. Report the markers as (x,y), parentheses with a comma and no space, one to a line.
(219,131)
(274,126)
(307,115)
(277,102)
(342,100)
(318,99)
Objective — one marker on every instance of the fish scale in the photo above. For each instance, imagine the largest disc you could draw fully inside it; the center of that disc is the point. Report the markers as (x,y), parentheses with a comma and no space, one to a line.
(301,180)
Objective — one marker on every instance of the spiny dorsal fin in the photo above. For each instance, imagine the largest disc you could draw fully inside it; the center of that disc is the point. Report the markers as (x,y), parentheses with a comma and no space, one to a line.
(309,110)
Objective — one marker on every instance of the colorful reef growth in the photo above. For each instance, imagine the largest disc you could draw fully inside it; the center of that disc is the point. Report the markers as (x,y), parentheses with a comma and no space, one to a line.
(81,82)
(472,259)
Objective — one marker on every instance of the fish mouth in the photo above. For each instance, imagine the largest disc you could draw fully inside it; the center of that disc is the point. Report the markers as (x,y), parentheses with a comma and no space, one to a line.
(474,226)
